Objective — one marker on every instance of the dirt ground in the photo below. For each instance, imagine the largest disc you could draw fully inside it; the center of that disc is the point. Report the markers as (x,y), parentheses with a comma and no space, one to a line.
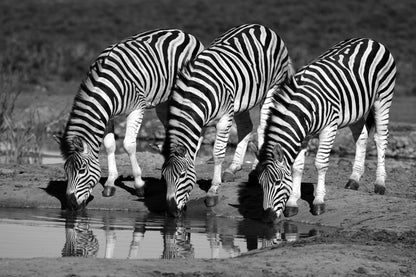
(376,237)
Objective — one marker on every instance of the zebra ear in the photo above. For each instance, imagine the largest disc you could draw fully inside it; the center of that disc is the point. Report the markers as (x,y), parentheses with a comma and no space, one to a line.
(278,152)
(180,150)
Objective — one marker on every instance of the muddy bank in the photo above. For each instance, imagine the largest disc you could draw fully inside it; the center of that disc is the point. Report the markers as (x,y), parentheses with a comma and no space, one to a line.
(376,232)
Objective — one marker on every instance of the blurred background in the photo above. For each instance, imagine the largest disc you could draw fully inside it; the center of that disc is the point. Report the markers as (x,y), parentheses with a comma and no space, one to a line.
(46,47)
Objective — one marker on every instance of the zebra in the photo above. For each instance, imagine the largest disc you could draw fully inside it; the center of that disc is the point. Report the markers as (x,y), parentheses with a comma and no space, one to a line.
(234,74)
(128,77)
(351,85)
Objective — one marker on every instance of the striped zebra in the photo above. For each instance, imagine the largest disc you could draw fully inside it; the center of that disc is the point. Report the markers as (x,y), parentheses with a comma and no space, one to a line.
(128,77)
(349,85)
(80,241)
(233,75)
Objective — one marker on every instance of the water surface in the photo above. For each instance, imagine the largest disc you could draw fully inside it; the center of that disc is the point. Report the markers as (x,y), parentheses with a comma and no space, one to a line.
(29,233)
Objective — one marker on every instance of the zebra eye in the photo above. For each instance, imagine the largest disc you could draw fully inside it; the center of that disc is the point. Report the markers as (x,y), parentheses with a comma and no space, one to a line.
(82,169)
(183,175)
(277,182)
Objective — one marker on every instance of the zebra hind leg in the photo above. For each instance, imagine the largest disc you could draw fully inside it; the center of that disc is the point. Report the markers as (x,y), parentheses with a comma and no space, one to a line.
(110,147)
(381,111)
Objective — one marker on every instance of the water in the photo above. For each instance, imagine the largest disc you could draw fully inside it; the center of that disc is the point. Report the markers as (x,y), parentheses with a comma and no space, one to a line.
(29,233)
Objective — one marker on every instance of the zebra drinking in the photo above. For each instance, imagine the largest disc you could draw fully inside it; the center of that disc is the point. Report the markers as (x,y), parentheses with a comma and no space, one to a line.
(128,77)
(233,75)
(349,85)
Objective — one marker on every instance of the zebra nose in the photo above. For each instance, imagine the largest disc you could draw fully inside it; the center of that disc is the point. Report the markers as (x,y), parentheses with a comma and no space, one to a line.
(73,204)
(173,208)
(270,216)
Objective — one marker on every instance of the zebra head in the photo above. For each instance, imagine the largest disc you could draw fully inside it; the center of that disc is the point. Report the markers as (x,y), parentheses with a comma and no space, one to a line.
(82,170)
(178,171)
(275,179)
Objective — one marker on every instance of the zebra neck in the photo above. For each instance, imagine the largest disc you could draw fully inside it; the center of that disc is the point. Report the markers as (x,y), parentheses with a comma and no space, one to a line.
(287,129)
(189,141)
(86,125)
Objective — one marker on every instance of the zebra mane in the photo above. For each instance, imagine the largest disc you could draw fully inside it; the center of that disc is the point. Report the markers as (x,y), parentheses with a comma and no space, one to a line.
(69,146)
(185,71)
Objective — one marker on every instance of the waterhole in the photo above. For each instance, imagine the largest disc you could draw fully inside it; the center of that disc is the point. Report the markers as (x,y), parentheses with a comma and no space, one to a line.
(29,233)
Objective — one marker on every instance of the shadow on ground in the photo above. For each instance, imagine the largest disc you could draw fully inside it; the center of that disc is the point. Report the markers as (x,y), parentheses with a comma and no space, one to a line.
(57,189)
(250,198)
(250,195)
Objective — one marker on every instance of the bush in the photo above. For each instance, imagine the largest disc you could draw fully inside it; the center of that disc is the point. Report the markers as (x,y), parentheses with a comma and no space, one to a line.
(20,142)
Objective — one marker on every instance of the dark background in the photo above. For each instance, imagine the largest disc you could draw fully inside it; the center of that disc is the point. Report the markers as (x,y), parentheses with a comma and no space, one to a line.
(48,41)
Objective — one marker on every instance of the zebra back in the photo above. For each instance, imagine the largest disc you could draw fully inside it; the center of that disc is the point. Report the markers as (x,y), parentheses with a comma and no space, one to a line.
(340,86)
(137,72)
(231,76)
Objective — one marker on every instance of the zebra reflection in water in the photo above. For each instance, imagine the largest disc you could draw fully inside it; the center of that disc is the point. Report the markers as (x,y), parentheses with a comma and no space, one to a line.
(80,240)
(111,237)
(222,235)
(177,240)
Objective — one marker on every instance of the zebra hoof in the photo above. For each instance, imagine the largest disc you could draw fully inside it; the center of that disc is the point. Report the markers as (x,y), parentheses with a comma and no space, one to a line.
(109,191)
(379,189)
(140,192)
(318,209)
(228,177)
(211,201)
(290,211)
(352,185)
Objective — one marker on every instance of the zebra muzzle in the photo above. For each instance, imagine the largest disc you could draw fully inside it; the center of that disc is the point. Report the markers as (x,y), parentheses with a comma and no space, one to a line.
(270,216)
(172,208)
(72,203)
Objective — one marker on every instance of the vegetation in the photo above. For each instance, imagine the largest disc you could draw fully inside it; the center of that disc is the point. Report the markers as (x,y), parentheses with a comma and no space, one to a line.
(51,39)
(19,141)
(54,41)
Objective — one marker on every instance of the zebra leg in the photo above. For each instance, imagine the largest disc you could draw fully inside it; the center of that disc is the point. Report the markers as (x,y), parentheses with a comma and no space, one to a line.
(223,131)
(111,238)
(134,120)
(381,117)
(360,134)
(138,235)
(110,148)
(244,129)
(326,140)
(297,171)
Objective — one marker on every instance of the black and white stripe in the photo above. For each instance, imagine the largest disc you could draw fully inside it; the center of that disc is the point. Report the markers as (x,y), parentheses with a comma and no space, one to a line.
(349,85)
(80,241)
(233,75)
(128,77)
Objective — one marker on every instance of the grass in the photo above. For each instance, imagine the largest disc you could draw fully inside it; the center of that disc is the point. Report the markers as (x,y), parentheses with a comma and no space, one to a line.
(20,142)
(57,40)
